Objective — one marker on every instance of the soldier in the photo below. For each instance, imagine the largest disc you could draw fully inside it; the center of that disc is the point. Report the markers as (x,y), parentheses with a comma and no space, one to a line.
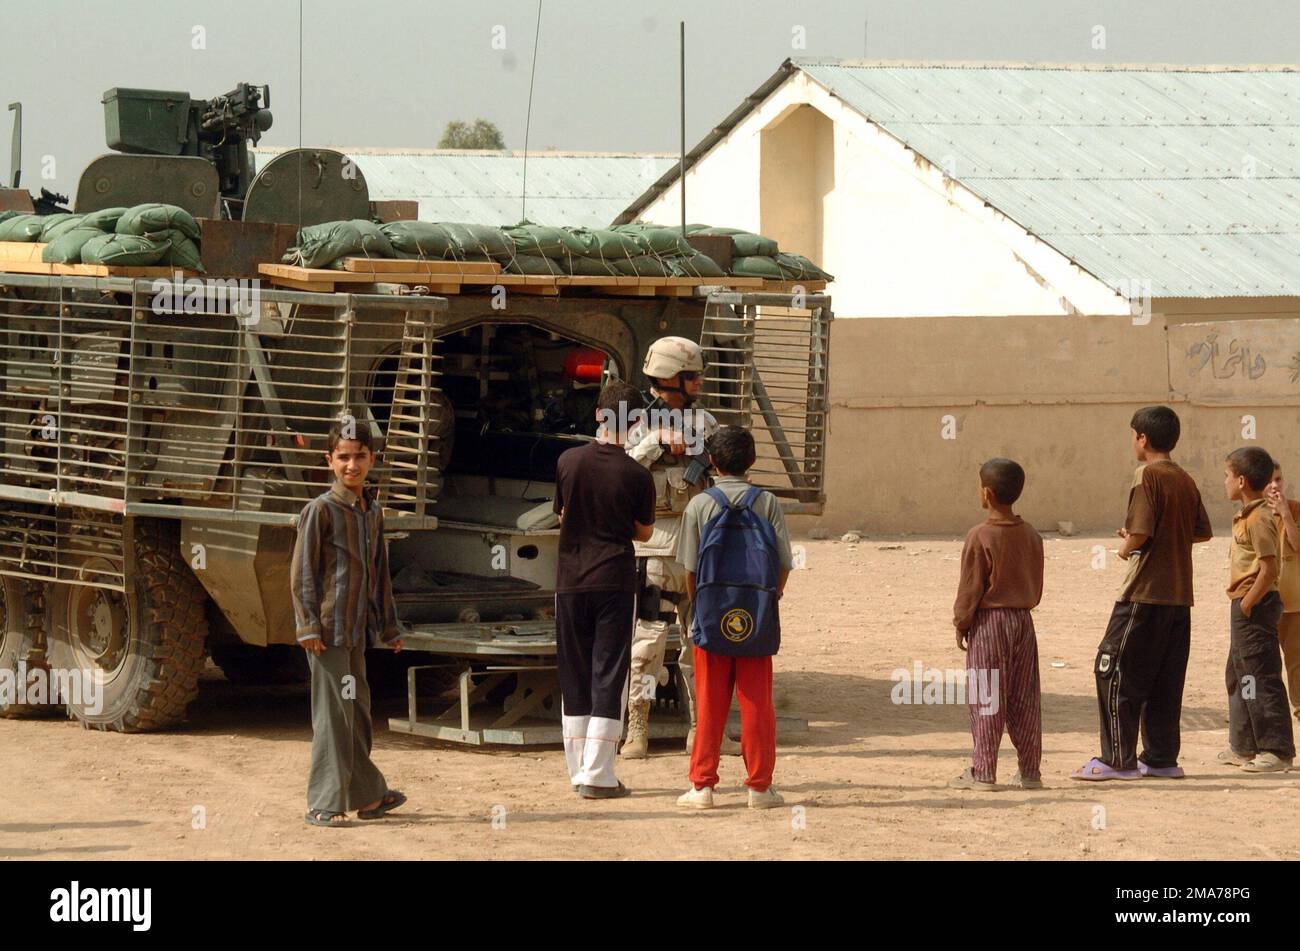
(669,440)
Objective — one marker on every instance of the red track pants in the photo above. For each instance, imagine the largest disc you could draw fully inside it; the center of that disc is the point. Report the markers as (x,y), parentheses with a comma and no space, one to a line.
(716,676)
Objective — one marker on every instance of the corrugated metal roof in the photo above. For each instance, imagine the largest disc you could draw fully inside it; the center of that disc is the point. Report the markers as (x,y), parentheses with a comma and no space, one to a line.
(1186,177)
(564,188)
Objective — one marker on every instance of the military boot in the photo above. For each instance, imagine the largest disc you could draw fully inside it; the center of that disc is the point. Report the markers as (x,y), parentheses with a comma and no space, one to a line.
(729,746)
(637,744)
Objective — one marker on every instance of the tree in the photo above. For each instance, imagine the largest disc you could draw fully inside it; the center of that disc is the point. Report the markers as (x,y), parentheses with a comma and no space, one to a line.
(481,135)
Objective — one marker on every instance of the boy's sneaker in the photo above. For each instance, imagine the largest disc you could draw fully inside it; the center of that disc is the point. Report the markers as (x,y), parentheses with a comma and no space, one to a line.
(1021,782)
(1231,757)
(967,780)
(769,798)
(696,798)
(1267,763)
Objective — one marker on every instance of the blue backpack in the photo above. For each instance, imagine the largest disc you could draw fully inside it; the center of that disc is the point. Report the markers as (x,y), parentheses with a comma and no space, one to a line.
(736,581)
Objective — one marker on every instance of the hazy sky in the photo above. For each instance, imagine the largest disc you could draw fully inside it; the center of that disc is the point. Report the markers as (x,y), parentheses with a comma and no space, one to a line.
(394,72)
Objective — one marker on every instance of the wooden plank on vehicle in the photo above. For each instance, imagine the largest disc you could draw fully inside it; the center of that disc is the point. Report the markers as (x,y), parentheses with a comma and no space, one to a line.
(292,284)
(26,267)
(21,251)
(787,287)
(412,266)
(115,270)
(505,280)
(314,274)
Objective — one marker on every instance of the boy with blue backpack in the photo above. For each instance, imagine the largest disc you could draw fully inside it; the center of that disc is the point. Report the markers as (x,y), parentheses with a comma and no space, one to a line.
(736,552)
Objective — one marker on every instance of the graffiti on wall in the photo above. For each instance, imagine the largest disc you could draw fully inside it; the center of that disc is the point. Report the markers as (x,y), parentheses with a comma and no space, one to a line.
(1235,360)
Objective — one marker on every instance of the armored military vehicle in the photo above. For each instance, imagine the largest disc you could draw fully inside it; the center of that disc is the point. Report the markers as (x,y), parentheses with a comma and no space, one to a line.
(158,438)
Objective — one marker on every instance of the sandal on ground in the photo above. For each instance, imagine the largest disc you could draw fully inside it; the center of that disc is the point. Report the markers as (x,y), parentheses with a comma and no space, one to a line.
(967,780)
(1161,772)
(323,817)
(1231,757)
(1267,763)
(392,799)
(1096,771)
(1026,782)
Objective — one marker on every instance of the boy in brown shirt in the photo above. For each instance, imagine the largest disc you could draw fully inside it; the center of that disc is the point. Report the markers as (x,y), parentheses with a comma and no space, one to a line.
(1259,723)
(1142,660)
(1285,513)
(1001,580)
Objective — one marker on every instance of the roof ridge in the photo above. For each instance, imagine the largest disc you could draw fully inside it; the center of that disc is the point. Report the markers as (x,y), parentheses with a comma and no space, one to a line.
(1043,65)
(489,153)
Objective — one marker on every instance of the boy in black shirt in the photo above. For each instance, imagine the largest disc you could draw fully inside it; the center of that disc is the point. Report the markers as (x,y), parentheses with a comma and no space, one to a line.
(605,500)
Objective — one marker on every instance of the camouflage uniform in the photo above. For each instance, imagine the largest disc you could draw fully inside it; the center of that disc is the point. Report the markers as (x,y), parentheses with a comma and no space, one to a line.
(672,492)
(666,358)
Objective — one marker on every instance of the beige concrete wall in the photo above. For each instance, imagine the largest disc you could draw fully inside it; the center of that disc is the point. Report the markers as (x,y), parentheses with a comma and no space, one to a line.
(1054,393)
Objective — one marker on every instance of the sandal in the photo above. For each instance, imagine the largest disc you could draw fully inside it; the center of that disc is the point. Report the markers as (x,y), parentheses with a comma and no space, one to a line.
(392,799)
(1098,772)
(324,817)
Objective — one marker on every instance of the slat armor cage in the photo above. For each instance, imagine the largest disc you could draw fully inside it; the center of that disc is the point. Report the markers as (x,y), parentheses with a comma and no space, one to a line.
(197,399)
(767,369)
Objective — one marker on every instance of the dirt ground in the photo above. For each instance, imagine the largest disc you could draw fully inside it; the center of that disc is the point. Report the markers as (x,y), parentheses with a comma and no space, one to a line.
(868,778)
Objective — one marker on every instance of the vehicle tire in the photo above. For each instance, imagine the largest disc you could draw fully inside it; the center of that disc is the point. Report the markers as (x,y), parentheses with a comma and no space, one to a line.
(147,644)
(254,666)
(22,643)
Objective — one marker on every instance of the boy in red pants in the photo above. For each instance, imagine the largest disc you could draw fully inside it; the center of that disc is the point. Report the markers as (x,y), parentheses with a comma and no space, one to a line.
(731,451)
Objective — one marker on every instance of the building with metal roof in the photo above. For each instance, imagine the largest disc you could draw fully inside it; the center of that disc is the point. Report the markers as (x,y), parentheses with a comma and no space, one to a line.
(487,187)
(1179,182)
(1042,250)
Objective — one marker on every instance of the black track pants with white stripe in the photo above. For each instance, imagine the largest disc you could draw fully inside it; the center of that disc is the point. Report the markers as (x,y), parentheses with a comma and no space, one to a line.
(1140,668)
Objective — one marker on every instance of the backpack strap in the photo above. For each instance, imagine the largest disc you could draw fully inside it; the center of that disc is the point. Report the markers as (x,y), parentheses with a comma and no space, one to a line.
(746,501)
(718,496)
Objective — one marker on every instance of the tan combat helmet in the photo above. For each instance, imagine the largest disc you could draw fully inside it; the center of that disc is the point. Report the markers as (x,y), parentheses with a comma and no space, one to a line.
(669,356)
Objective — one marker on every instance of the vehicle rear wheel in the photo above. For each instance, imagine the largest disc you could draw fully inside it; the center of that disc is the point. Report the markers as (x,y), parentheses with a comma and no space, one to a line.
(144,647)
(21,645)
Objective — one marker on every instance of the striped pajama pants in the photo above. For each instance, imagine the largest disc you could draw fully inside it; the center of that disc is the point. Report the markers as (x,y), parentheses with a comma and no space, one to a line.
(1002,690)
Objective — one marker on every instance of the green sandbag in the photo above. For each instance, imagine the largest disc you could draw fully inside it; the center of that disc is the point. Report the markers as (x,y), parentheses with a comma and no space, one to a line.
(66,248)
(658,239)
(607,243)
(6,215)
(479,239)
(22,228)
(590,267)
(154,216)
(530,238)
(124,250)
(533,264)
(182,252)
(419,239)
(52,232)
(745,244)
(643,266)
(756,265)
(321,245)
(796,267)
(105,219)
(693,229)
(50,222)
(694,265)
